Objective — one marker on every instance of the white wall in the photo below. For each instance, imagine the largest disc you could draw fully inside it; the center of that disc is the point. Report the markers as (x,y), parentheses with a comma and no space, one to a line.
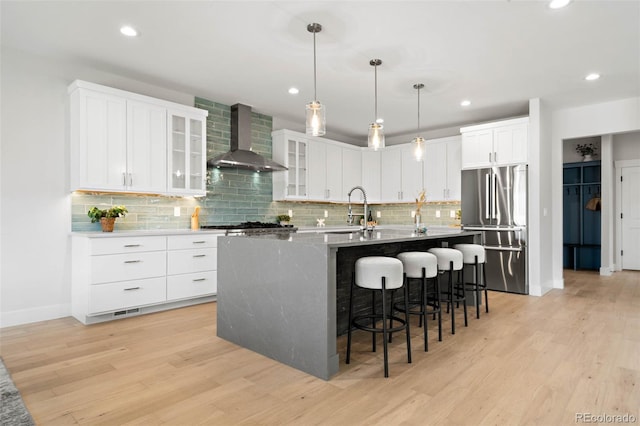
(626,146)
(540,217)
(35,217)
(591,120)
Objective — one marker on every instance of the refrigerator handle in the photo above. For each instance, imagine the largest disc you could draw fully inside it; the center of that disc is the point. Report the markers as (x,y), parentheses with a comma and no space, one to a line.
(493,195)
(487,198)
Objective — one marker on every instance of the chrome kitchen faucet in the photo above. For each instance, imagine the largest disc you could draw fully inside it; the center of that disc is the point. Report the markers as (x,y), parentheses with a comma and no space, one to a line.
(366,208)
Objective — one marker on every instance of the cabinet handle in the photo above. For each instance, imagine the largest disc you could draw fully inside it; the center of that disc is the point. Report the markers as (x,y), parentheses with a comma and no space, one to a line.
(132,245)
(199,279)
(198,242)
(199,255)
(124,179)
(130,179)
(132,288)
(489,157)
(495,157)
(132,261)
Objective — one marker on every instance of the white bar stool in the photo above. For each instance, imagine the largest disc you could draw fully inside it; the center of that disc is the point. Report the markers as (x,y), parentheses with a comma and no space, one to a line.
(420,265)
(474,255)
(379,273)
(450,260)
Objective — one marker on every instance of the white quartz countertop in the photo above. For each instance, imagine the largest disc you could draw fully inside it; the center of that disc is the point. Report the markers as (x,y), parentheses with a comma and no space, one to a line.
(147,233)
(354,237)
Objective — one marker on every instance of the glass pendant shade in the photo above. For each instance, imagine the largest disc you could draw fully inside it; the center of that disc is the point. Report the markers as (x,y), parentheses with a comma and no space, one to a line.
(418,148)
(316,119)
(375,138)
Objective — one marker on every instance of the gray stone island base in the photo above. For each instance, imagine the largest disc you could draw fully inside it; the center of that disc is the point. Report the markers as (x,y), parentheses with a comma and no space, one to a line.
(277,295)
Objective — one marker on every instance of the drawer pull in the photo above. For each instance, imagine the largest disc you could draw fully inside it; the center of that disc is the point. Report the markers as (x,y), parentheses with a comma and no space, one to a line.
(199,242)
(132,245)
(199,279)
(199,255)
(132,288)
(132,261)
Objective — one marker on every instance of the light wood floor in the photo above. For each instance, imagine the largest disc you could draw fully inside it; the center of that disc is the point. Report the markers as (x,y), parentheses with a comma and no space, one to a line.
(529,361)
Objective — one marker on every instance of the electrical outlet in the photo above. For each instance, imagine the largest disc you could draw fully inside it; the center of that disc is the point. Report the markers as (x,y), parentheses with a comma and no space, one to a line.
(176,211)
(437,213)
(378,214)
(452,213)
(290,213)
(413,213)
(326,213)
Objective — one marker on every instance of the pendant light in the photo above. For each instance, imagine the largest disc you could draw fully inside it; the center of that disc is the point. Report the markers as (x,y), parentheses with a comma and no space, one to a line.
(316,125)
(375,138)
(418,142)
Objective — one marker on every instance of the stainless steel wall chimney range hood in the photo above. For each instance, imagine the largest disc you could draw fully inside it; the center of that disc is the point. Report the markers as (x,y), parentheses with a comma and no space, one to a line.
(240,155)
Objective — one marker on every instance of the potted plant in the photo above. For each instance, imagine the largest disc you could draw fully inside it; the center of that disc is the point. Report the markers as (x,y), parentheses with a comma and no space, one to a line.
(283,219)
(586,150)
(107,217)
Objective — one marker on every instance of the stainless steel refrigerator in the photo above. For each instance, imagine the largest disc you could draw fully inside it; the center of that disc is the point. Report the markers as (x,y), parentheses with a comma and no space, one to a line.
(494,201)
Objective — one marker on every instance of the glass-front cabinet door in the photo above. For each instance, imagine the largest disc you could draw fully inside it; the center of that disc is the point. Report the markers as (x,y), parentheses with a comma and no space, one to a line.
(297,185)
(187,148)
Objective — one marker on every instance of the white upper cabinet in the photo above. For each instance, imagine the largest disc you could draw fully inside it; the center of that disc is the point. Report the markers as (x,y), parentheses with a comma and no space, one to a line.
(119,141)
(371,175)
(291,150)
(146,147)
(495,144)
(351,171)
(187,150)
(391,175)
(412,174)
(315,167)
(98,141)
(442,169)
(325,171)
(401,178)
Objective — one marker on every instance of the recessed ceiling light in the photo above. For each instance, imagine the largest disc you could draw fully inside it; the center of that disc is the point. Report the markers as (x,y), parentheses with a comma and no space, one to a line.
(293,90)
(380,120)
(592,76)
(129,31)
(465,102)
(558,4)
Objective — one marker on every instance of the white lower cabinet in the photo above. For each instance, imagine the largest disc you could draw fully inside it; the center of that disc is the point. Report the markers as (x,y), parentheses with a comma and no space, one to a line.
(191,271)
(191,285)
(126,294)
(115,276)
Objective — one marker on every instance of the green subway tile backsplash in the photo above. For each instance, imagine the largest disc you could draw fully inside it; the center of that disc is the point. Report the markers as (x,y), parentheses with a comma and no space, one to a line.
(235,195)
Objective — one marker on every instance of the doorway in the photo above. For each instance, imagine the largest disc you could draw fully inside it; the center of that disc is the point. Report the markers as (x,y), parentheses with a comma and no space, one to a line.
(628,214)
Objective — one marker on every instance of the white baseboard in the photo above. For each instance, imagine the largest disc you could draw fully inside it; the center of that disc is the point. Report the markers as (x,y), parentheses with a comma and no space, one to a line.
(27,316)
(558,283)
(605,271)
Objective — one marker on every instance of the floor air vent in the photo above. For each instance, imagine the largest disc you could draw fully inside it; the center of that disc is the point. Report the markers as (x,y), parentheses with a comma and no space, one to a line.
(127,312)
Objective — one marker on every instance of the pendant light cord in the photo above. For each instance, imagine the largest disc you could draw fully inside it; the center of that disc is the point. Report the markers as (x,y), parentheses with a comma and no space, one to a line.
(375,70)
(418,131)
(315,89)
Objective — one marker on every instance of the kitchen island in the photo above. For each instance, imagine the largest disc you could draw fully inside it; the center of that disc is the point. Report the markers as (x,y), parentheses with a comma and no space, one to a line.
(285,296)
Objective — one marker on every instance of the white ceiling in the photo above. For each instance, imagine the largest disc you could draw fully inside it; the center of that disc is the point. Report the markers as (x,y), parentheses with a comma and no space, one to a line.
(498,54)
